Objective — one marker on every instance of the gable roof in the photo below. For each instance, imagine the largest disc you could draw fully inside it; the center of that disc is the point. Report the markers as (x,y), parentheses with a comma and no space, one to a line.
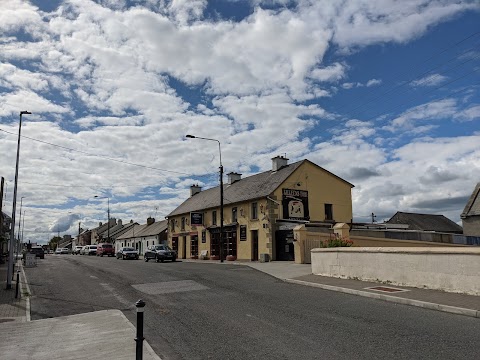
(473,205)
(132,232)
(426,222)
(154,229)
(249,188)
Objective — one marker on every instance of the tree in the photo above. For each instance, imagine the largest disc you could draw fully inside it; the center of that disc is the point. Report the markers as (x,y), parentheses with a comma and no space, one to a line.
(53,243)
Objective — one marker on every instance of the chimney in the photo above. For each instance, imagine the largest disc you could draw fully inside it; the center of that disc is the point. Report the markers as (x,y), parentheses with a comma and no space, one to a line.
(119,222)
(195,189)
(233,176)
(278,162)
(150,221)
(100,223)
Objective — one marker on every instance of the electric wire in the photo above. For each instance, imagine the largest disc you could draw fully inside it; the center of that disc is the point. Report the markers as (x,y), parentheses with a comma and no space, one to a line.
(97,155)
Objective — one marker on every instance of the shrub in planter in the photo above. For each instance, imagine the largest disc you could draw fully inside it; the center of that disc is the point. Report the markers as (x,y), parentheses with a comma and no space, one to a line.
(214,257)
(336,242)
(231,258)
(194,257)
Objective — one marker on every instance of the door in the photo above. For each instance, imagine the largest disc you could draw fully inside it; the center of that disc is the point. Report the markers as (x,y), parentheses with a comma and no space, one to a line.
(284,245)
(254,245)
(184,247)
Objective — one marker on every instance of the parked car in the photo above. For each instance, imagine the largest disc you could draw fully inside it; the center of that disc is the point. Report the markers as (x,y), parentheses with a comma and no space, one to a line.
(61,251)
(76,250)
(105,249)
(160,252)
(84,250)
(127,253)
(90,250)
(38,251)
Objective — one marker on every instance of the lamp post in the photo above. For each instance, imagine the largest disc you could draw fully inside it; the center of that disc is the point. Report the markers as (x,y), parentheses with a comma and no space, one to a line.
(108,215)
(19,222)
(14,208)
(221,190)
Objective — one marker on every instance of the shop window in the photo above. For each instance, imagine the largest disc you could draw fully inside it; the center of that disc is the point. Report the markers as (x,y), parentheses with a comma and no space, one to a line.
(230,245)
(234,215)
(215,244)
(214,217)
(175,244)
(254,211)
(328,212)
(194,246)
(183,224)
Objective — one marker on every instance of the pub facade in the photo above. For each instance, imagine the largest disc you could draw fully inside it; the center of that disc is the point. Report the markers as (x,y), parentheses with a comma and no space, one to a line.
(260,212)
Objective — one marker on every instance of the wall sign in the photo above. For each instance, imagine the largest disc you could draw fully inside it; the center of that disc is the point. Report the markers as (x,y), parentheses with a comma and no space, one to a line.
(295,204)
(243,232)
(196,218)
(204,236)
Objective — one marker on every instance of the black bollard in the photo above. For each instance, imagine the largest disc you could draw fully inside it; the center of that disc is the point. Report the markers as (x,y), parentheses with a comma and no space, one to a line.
(18,284)
(140,304)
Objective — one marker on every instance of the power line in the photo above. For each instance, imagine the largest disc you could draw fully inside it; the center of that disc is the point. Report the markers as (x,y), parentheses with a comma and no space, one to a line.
(421,63)
(100,156)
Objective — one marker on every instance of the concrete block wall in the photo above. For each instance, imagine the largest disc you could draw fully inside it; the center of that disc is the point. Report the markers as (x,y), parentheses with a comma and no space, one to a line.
(440,268)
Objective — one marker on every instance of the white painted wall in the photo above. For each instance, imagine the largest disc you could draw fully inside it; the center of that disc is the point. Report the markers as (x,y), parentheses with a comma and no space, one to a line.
(449,269)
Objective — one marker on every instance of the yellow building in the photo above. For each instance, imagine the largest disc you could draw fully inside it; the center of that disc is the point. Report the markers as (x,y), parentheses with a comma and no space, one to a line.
(260,212)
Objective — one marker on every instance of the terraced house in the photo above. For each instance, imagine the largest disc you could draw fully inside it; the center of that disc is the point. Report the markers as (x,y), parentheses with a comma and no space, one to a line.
(260,212)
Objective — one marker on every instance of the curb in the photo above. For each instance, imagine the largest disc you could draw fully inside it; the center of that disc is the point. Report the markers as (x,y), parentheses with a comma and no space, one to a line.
(398,300)
(27,298)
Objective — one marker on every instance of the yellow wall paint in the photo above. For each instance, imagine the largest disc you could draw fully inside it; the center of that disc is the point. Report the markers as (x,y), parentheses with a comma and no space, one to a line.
(322,188)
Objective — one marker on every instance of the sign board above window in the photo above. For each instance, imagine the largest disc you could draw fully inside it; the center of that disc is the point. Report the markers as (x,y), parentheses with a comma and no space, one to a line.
(196,218)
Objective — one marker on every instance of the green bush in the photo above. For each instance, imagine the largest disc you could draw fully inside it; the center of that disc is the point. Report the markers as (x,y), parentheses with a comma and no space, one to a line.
(336,242)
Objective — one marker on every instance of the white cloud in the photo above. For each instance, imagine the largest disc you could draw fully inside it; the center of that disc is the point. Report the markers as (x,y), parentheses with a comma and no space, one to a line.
(99,79)
(434,111)
(430,80)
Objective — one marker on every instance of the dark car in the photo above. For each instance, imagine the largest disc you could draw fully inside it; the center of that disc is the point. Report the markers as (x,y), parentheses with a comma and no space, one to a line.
(160,253)
(105,249)
(127,253)
(38,251)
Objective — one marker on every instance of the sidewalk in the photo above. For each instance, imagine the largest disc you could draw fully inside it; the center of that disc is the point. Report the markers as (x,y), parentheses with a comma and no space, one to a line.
(81,336)
(11,309)
(301,274)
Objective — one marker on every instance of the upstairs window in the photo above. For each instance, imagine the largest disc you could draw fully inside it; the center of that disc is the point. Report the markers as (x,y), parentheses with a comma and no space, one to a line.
(234,214)
(214,217)
(254,211)
(172,224)
(183,223)
(328,212)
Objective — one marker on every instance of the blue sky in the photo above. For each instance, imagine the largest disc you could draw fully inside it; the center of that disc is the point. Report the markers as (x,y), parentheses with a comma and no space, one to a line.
(382,93)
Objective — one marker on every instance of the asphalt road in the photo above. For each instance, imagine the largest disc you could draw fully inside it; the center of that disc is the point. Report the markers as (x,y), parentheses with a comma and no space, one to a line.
(213,311)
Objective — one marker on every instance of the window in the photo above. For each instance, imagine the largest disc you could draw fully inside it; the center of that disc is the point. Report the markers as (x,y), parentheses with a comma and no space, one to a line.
(214,217)
(194,246)
(172,224)
(234,214)
(183,224)
(254,211)
(328,212)
(175,243)
(147,242)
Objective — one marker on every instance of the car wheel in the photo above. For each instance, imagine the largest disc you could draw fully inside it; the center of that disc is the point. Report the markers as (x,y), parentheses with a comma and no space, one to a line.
(174,259)
(124,257)
(145,258)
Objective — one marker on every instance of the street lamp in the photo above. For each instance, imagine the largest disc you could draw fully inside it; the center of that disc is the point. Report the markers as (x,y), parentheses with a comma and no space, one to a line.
(14,208)
(221,190)
(19,222)
(108,213)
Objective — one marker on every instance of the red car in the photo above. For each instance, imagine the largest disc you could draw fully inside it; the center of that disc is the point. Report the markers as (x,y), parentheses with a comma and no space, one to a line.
(105,249)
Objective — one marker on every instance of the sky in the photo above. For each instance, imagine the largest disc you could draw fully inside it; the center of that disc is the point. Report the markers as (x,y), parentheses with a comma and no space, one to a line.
(382,93)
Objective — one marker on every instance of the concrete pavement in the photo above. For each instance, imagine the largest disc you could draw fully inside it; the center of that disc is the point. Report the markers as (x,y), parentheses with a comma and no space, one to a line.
(108,334)
(301,274)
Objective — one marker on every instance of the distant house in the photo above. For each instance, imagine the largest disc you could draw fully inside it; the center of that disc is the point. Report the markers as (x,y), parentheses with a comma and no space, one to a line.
(142,236)
(426,222)
(471,214)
